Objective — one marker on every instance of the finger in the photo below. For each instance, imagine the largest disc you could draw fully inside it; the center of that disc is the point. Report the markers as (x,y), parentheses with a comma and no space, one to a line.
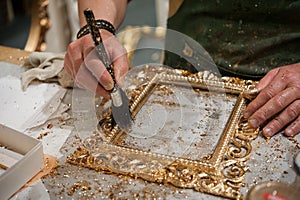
(121,68)
(266,80)
(68,65)
(285,117)
(274,87)
(294,128)
(78,50)
(98,70)
(273,106)
(88,46)
(86,80)
(118,55)
(75,57)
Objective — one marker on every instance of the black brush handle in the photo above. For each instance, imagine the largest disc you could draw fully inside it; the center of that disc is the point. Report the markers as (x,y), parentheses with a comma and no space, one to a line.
(99,46)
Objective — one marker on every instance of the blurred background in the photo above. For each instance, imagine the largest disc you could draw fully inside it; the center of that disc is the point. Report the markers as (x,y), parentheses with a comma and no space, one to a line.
(50,25)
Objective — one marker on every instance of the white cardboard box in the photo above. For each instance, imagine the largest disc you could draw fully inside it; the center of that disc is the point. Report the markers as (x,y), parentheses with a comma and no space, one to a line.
(24,158)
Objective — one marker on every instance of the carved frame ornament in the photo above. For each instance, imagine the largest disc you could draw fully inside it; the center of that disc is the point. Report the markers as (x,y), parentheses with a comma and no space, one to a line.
(220,173)
(40,24)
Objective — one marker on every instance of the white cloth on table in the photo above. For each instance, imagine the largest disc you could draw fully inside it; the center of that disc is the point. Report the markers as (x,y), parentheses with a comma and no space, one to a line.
(45,66)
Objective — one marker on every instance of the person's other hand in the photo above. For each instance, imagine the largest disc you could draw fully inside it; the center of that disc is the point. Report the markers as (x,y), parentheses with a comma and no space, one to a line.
(278,100)
(84,66)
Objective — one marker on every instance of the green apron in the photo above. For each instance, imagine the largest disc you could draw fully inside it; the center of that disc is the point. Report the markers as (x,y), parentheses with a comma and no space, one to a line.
(244,38)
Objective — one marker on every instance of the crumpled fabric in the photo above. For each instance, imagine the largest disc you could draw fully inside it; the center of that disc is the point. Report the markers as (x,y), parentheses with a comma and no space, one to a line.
(46,67)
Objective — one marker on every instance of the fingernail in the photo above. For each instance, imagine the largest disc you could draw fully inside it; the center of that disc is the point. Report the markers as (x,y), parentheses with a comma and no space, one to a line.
(289,132)
(253,123)
(267,132)
(246,115)
(108,85)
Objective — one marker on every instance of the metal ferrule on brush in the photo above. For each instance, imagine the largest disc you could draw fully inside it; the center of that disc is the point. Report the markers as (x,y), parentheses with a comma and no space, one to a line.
(116,97)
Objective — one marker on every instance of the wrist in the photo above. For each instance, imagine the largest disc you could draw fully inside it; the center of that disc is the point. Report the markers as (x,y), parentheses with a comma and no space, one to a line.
(110,10)
(100,24)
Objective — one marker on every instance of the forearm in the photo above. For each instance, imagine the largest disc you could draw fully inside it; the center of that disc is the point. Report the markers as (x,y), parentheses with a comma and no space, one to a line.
(110,10)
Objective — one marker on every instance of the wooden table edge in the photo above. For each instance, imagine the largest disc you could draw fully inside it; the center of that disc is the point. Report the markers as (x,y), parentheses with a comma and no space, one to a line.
(13,55)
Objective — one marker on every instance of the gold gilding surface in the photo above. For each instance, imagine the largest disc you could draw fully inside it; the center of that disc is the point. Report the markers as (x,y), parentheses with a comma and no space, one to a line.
(40,23)
(220,173)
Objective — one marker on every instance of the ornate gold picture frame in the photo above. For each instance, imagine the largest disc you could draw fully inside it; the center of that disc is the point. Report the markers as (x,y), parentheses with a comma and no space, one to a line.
(219,173)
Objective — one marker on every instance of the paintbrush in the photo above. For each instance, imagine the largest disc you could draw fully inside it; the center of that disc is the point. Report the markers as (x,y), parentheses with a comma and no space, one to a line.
(120,102)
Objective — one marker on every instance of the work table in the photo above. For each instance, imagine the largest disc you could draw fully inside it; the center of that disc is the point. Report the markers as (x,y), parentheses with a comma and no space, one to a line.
(271,160)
